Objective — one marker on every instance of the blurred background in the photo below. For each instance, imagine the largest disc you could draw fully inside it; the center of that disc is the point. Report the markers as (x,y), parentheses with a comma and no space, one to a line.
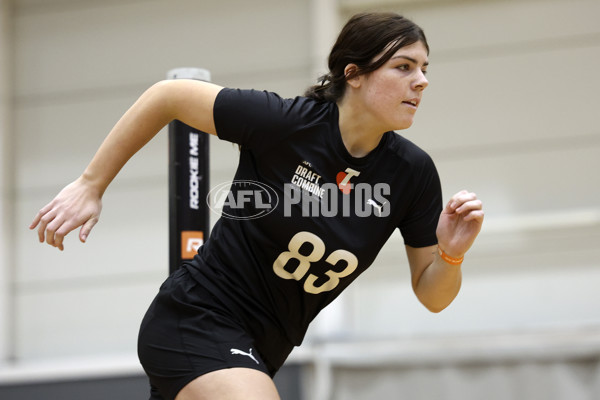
(511,113)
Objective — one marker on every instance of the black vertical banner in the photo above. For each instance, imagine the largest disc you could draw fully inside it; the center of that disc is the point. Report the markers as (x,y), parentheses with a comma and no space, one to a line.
(188,183)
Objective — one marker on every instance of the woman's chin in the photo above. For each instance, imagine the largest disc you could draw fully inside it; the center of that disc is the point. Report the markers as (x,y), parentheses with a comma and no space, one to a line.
(403,125)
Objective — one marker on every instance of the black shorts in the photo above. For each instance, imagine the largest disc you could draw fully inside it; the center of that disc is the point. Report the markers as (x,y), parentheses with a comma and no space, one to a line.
(183,337)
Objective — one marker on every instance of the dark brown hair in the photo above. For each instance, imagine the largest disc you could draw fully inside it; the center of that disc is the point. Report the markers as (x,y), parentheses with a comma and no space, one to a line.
(363,38)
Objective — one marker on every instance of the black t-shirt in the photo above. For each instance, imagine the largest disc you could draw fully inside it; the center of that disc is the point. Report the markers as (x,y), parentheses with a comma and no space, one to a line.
(304,217)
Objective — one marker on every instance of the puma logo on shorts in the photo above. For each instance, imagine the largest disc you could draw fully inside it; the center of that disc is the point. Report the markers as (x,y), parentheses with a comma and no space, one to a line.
(243,353)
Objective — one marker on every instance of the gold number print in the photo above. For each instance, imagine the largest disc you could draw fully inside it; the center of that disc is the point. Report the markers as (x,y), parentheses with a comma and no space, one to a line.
(316,254)
(334,277)
(294,252)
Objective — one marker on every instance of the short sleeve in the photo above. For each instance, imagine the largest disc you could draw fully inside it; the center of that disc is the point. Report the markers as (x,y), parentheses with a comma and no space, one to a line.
(419,226)
(255,119)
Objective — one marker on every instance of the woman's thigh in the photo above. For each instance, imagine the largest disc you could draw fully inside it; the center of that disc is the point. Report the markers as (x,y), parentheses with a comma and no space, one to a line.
(230,384)
(184,336)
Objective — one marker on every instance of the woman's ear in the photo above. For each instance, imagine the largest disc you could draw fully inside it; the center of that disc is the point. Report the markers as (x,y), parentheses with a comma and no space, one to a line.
(352,76)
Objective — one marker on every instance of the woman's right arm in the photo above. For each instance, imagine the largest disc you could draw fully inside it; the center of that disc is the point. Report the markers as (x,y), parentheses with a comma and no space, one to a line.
(79,203)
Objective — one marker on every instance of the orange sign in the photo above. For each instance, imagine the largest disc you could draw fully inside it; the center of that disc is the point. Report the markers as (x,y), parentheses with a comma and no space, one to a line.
(190,242)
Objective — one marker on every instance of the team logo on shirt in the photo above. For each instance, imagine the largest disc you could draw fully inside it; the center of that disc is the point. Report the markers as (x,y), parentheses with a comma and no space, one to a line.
(323,199)
(343,180)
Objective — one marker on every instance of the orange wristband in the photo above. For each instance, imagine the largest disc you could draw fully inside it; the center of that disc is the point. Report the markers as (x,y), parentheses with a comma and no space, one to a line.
(448,259)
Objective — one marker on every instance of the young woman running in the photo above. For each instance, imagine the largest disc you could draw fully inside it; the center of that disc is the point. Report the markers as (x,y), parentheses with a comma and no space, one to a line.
(224,323)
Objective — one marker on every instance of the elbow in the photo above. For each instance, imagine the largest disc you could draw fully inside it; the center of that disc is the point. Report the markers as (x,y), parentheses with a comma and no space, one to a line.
(436,309)
(160,86)
(169,93)
(157,101)
(436,305)
(436,299)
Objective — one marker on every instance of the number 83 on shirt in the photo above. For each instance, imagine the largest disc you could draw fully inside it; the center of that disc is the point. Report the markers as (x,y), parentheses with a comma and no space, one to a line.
(304,263)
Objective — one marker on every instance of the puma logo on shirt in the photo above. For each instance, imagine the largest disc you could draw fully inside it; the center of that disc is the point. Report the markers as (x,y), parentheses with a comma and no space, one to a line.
(372,202)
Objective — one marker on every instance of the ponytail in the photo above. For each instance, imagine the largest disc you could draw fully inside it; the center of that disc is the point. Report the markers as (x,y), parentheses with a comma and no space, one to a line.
(325,90)
(361,42)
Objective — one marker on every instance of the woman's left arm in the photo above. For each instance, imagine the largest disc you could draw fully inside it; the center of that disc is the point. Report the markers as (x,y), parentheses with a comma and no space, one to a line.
(435,279)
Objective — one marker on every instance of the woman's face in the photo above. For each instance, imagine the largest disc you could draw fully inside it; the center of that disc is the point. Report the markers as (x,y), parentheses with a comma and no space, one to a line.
(392,93)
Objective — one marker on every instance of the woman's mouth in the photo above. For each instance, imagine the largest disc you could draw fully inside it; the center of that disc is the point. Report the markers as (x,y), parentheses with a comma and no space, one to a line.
(412,103)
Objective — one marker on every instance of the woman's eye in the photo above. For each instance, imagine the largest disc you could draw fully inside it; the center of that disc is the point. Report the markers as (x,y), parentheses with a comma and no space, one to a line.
(403,67)
(424,71)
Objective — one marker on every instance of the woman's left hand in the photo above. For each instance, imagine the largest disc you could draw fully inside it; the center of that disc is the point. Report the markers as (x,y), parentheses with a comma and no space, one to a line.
(460,223)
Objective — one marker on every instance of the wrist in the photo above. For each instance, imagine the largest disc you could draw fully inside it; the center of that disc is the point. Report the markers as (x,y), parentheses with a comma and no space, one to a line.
(94,184)
(450,259)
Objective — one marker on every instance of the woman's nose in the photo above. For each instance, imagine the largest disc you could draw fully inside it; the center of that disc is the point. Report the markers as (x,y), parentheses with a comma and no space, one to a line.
(421,81)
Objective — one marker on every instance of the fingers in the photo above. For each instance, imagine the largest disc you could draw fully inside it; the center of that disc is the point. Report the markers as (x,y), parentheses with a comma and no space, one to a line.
(464,201)
(53,226)
(469,206)
(42,218)
(62,231)
(466,204)
(476,215)
(55,231)
(43,226)
(86,229)
(76,205)
(36,219)
(460,223)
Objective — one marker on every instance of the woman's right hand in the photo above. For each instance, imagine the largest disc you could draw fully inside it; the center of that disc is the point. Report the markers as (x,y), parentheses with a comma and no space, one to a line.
(78,204)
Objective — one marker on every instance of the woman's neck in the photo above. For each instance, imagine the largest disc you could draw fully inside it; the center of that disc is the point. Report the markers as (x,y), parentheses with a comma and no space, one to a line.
(359,134)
